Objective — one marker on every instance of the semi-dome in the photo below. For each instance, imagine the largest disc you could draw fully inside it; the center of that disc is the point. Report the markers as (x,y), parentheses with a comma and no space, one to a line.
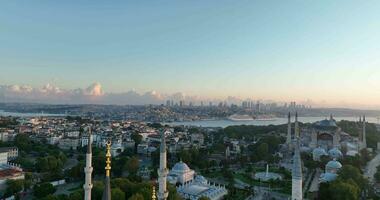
(335,153)
(181,167)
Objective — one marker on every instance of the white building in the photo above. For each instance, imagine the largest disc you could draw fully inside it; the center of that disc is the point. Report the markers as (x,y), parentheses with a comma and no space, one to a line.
(200,187)
(180,173)
(194,187)
(12,152)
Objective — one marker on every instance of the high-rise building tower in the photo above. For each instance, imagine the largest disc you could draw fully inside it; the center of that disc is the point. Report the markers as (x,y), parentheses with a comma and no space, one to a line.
(162,171)
(107,184)
(297,173)
(289,135)
(87,186)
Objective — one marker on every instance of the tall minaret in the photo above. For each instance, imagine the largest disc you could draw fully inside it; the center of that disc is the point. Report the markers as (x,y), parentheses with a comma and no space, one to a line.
(107,188)
(162,171)
(364,139)
(289,135)
(297,173)
(88,169)
(296,128)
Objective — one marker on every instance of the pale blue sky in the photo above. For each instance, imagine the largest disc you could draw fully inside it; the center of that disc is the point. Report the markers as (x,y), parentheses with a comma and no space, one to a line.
(301,49)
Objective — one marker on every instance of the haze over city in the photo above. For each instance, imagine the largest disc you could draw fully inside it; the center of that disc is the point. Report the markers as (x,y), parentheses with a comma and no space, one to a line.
(312,52)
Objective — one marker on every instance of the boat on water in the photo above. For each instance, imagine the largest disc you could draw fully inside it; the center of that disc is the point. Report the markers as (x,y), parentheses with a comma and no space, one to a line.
(236,117)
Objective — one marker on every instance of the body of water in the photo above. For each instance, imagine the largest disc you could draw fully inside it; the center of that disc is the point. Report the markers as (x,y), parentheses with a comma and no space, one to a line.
(275,121)
(17,114)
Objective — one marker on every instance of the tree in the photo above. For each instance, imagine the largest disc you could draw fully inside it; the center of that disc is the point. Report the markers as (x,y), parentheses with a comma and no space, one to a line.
(136,196)
(13,187)
(132,165)
(137,138)
(43,189)
(77,195)
(117,194)
(50,197)
(349,172)
(344,190)
(173,195)
(97,190)
(22,141)
(204,198)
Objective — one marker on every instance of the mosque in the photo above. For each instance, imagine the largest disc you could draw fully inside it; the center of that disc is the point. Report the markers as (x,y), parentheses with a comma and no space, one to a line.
(323,138)
(191,186)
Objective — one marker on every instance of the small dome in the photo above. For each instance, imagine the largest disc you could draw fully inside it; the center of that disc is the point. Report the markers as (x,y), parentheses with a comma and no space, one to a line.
(181,167)
(116,146)
(328,177)
(335,153)
(318,152)
(200,179)
(334,164)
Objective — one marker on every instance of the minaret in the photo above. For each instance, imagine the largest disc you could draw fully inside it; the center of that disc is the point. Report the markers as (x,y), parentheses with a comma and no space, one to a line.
(289,135)
(154,193)
(107,188)
(88,169)
(364,139)
(162,171)
(297,173)
(296,128)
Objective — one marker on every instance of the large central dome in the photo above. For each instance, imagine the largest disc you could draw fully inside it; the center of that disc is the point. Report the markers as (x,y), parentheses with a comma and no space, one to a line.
(181,167)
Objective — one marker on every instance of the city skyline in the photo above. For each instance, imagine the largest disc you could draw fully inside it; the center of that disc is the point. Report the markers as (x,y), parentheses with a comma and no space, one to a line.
(285,51)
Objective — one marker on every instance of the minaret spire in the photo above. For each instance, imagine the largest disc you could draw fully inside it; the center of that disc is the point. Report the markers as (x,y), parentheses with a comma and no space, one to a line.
(154,193)
(162,171)
(289,135)
(87,186)
(107,188)
(296,127)
(297,173)
(364,139)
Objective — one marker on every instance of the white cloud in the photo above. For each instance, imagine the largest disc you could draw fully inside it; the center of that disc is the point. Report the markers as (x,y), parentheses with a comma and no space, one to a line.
(93,94)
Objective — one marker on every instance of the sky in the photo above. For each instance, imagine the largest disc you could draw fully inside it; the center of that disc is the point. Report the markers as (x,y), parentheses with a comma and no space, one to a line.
(323,51)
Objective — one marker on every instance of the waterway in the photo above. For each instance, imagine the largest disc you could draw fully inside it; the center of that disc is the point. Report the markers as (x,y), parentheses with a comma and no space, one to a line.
(275,121)
(17,114)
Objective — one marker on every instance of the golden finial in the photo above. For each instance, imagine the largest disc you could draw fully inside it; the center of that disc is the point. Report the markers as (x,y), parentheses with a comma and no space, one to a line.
(154,193)
(108,158)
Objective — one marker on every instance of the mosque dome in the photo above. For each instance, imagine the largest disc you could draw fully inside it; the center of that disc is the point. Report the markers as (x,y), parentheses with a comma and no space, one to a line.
(318,152)
(181,167)
(335,153)
(328,177)
(200,179)
(334,164)
(116,146)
